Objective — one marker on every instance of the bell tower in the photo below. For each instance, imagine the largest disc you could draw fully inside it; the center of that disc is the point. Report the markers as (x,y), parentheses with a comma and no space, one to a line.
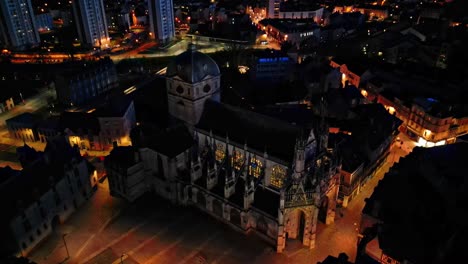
(191,79)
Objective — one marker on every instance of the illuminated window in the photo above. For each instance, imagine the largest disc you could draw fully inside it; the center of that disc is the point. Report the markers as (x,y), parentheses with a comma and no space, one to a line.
(278,175)
(255,168)
(237,160)
(220,153)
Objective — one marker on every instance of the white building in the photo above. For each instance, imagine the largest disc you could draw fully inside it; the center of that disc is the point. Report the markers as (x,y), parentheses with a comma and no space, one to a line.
(161,20)
(17,24)
(91,23)
(279,9)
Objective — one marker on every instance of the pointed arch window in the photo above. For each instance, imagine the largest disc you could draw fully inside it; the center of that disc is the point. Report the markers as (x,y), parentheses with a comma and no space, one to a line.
(278,176)
(255,168)
(220,154)
(237,160)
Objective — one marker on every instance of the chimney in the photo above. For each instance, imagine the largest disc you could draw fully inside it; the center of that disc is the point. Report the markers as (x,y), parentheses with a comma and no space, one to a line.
(114,144)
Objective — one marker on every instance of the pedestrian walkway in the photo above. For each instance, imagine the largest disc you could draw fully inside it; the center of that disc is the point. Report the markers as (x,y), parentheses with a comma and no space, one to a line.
(87,222)
(107,230)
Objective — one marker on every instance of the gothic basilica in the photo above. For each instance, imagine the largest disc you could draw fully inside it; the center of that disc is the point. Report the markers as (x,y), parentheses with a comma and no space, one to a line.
(254,172)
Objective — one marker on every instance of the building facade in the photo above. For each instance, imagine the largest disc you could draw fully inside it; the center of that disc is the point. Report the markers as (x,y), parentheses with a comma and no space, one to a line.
(44,22)
(115,126)
(422,125)
(280,9)
(82,82)
(23,127)
(270,65)
(253,172)
(44,194)
(352,73)
(17,24)
(161,20)
(291,30)
(90,20)
(189,87)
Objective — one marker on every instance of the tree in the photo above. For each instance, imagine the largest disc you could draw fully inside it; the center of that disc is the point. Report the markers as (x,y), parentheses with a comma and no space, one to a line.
(235,52)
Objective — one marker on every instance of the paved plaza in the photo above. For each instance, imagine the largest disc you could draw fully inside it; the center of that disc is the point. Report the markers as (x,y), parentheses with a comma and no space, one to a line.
(108,230)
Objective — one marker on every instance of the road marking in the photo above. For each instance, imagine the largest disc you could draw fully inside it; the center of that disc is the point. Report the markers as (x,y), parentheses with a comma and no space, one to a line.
(115,241)
(169,247)
(199,248)
(225,253)
(144,243)
(85,244)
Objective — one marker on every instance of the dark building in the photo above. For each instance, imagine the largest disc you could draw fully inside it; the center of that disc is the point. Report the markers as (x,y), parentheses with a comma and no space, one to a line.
(23,127)
(80,82)
(91,24)
(18,25)
(270,65)
(45,193)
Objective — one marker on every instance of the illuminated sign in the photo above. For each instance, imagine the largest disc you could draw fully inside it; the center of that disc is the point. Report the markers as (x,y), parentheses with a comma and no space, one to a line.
(266,60)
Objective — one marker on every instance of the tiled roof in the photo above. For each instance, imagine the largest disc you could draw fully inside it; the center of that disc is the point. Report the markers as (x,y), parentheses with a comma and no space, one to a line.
(260,132)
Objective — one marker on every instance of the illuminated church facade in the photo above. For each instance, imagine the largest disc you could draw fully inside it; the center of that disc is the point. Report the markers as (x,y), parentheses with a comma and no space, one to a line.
(253,172)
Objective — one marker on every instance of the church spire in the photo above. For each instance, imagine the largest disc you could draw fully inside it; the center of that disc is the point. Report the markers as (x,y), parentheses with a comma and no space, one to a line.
(323,128)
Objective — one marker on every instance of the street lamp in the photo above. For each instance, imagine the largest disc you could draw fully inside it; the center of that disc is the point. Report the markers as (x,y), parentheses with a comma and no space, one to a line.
(65,243)
(121,257)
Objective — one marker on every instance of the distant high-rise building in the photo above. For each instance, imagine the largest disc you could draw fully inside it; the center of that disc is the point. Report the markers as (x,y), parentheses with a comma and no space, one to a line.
(273,8)
(161,20)
(17,24)
(90,20)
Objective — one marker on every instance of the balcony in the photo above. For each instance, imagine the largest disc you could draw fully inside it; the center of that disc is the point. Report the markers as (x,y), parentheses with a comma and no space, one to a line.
(293,199)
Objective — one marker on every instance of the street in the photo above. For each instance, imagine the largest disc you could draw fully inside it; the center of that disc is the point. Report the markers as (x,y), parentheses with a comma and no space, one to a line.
(107,230)
(31,104)
(181,46)
(176,49)
(146,50)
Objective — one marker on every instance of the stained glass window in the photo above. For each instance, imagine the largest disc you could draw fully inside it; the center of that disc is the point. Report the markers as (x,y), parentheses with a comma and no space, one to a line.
(237,160)
(220,152)
(255,168)
(278,176)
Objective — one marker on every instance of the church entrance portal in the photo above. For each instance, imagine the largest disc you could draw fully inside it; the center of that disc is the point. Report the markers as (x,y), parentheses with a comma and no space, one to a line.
(322,215)
(300,234)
